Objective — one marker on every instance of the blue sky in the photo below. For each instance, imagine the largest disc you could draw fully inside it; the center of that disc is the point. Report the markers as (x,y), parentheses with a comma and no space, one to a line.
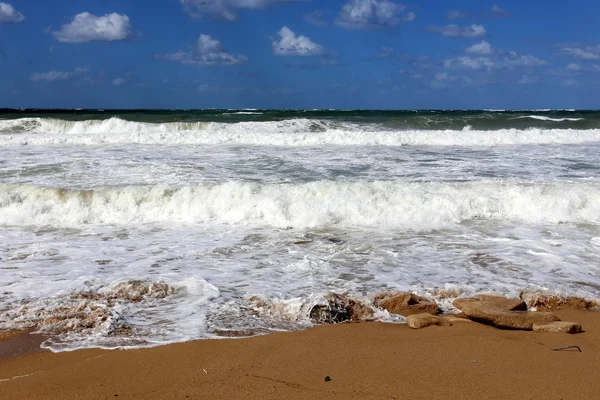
(299,54)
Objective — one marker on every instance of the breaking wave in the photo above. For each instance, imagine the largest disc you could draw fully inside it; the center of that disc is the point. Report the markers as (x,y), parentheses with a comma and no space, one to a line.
(544,118)
(292,132)
(394,205)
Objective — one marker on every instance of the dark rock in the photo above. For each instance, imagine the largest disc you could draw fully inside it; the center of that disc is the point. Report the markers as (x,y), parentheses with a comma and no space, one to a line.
(339,309)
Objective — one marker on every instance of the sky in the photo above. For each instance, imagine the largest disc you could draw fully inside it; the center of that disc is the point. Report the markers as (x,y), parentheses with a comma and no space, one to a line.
(345,54)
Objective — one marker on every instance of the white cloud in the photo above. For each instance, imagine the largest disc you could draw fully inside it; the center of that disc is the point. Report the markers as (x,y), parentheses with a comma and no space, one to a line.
(8,14)
(54,76)
(499,12)
(119,81)
(86,27)
(292,45)
(467,62)
(574,67)
(225,9)
(51,76)
(456,14)
(441,80)
(316,18)
(469,31)
(585,53)
(386,52)
(207,52)
(519,60)
(483,48)
(357,14)
(507,61)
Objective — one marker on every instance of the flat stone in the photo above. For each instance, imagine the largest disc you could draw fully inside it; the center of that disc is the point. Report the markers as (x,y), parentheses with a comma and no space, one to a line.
(558,327)
(499,301)
(419,321)
(453,319)
(406,304)
(492,313)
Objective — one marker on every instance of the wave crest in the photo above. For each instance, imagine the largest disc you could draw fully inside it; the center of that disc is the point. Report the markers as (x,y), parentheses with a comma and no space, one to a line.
(292,132)
(394,205)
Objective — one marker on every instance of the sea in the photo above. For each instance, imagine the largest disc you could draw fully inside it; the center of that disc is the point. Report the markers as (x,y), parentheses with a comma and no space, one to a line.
(137,228)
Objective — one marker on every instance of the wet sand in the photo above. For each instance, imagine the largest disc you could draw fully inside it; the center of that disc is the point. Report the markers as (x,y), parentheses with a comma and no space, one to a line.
(363,360)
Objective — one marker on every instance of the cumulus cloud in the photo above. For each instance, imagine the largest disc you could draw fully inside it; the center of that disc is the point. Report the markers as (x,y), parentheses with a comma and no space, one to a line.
(8,14)
(467,62)
(86,27)
(316,18)
(499,12)
(225,9)
(582,53)
(358,14)
(519,60)
(441,80)
(292,45)
(483,48)
(206,52)
(470,31)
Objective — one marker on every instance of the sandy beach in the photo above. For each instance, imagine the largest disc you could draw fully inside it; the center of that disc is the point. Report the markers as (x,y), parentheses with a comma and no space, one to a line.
(363,360)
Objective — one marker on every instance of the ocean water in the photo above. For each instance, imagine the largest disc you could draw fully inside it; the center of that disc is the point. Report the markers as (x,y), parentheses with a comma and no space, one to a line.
(124,228)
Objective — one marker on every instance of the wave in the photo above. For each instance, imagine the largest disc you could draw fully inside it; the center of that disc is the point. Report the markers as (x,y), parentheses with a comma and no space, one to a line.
(544,118)
(381,205)
(295,132)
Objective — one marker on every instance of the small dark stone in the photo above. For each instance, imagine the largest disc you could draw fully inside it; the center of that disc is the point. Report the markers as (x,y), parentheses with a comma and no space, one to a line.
(338,309)
(327,378)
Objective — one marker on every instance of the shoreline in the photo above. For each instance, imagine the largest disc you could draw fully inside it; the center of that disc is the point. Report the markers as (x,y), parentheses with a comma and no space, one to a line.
(369,360)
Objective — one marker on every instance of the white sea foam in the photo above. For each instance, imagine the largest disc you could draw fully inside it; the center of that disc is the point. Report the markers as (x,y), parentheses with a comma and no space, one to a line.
(244,113)
(544,118)
(127,245)
(395,205)
(299,132)
(118,314)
